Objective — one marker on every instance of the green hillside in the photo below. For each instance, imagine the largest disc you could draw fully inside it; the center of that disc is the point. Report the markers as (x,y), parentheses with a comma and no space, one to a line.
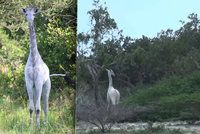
(177,97)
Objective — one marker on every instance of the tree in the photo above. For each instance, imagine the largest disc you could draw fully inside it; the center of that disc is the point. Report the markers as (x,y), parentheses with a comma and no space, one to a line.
(101,41)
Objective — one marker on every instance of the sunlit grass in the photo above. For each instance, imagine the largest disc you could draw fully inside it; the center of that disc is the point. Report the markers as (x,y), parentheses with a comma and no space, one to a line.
(14,118)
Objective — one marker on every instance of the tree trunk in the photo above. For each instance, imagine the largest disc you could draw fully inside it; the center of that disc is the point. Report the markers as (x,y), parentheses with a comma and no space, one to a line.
(96,94)
(95,79)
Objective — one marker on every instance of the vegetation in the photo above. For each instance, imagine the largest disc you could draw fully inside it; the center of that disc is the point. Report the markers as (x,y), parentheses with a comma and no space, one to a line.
(160,74)
(15,118)
(56,38)
(174,98)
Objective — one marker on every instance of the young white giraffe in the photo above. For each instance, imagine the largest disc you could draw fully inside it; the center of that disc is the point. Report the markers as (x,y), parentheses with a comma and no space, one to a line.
(113,94)
(36,72)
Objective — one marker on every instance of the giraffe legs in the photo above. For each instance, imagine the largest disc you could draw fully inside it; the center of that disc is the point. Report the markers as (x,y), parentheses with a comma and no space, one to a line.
(29,86)
(38,88)
(45,96)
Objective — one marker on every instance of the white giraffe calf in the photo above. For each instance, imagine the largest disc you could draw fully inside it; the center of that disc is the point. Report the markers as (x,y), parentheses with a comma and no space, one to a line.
(113,94)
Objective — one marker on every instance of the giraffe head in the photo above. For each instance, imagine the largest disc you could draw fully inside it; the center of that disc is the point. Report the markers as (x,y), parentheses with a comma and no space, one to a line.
(110,72)
(29,13)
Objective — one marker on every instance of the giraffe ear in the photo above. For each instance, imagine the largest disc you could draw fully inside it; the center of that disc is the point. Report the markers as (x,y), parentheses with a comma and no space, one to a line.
(23,10)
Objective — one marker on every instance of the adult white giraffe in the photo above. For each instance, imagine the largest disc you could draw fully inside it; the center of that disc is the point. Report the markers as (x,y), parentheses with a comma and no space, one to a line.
(36,72)
(113,94)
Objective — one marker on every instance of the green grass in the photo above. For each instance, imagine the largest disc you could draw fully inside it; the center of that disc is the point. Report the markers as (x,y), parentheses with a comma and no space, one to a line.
(14,118)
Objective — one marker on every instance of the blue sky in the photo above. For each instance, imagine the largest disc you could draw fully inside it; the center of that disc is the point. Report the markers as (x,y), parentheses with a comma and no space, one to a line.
(141,17)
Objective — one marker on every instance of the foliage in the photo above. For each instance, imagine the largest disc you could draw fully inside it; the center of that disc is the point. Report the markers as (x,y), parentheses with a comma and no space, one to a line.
(62,12)
(11,68)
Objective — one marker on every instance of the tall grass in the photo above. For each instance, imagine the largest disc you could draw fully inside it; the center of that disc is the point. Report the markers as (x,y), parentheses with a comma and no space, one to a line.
(14,118)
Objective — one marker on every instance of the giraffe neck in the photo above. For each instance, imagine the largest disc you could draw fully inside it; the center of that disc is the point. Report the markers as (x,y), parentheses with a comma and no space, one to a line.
(33,44)
(110,79)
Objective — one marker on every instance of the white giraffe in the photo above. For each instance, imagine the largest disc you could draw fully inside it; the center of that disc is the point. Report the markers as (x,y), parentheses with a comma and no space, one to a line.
(113,94)
(36,72)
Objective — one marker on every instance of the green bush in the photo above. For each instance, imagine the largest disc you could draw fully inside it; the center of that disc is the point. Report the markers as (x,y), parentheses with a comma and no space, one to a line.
(11,68)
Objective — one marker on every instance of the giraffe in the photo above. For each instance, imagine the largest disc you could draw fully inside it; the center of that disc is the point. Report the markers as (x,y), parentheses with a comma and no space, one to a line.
(36,72)
(113,94)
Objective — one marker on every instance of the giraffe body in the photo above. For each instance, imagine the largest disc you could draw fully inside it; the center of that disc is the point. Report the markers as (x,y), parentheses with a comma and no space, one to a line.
(37,78)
